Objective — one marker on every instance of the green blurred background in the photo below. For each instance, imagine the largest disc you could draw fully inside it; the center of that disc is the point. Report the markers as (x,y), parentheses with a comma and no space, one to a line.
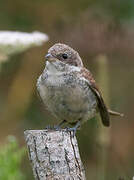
(103,33)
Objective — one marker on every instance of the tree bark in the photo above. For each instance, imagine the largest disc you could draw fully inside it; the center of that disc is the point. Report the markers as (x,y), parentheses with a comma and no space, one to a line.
(54,155)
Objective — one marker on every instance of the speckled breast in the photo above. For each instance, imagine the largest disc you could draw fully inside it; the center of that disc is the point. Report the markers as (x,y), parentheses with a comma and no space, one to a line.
(67,96)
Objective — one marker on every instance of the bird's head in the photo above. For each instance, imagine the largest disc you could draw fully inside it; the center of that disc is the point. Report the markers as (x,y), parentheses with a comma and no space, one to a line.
(65,54)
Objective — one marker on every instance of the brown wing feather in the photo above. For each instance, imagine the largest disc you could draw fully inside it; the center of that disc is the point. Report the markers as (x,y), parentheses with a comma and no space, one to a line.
(101,105)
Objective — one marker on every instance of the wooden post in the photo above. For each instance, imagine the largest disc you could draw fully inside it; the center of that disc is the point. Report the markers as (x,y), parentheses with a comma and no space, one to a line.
(54,155)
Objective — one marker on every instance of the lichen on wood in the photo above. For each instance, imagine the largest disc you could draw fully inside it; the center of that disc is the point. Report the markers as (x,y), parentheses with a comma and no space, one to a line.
(54,155)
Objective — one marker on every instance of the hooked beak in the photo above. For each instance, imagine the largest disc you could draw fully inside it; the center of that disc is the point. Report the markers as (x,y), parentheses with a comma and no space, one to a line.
(49,57)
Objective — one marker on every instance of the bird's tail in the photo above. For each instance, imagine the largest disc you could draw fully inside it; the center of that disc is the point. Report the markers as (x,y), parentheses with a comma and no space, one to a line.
(114,113)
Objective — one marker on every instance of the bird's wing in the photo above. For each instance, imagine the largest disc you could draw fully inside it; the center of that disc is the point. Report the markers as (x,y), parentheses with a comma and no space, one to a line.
(37,85)
(103,110)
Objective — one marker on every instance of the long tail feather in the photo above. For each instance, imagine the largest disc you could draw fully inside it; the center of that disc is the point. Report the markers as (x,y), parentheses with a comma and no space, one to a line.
(114,113)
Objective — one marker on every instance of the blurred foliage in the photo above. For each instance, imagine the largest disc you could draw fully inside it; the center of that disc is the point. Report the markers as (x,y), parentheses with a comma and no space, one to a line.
(10,159)
(120,10)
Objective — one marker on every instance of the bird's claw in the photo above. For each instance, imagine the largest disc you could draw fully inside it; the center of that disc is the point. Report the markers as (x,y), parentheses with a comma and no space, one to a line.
(55,127)
(72,130)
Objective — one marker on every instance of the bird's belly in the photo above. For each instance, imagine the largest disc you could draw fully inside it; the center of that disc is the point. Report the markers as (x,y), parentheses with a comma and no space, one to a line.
(69,101)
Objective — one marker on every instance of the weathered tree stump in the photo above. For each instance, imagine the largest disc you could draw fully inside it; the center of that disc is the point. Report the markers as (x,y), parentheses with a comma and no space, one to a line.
(54,155)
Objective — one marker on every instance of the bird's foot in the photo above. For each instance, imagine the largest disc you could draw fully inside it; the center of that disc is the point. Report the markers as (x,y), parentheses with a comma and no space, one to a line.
(57,127)
(72,130)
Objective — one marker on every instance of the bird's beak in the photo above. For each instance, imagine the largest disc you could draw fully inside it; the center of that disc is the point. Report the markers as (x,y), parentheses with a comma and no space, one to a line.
(49,57)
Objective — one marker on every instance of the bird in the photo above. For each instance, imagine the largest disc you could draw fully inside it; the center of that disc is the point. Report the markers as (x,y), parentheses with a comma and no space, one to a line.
(68,89)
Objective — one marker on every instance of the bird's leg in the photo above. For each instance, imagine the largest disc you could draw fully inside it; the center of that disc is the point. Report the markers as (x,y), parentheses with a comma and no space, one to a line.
(74,129)
(58,126)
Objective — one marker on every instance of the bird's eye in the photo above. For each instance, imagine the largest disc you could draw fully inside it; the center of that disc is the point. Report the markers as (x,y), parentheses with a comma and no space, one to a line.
(65,56)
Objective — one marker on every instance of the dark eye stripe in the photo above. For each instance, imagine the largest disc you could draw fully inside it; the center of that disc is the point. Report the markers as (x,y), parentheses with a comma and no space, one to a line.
(65,56)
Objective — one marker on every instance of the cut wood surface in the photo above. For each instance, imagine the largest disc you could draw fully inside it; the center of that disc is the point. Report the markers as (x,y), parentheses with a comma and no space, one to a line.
(54,155)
